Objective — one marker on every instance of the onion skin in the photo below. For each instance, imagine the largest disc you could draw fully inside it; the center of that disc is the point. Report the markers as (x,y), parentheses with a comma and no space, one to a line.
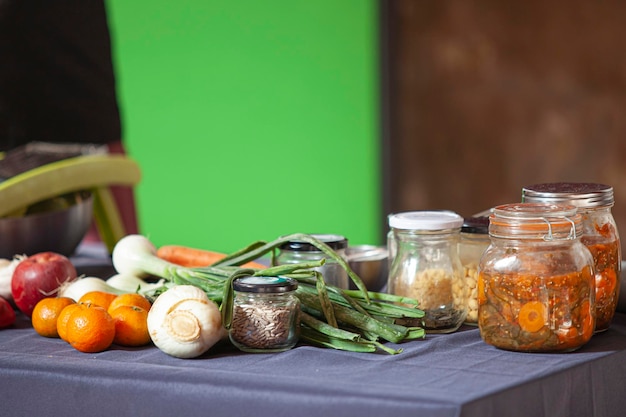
(183,322)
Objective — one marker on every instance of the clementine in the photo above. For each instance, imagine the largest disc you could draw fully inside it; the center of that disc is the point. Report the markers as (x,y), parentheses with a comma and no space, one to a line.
(99,298)
(90,329)
(130,299)
(46,313)
(131,326)
(64,317)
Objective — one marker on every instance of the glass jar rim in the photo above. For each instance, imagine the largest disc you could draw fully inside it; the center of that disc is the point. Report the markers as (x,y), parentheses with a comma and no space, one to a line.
(546,221)
(335,242)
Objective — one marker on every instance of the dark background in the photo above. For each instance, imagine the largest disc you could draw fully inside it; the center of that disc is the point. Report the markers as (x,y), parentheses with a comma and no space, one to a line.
(485,97)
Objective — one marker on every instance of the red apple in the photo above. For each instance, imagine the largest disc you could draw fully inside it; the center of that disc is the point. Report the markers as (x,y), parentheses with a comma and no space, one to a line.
(39,276)
(7,315)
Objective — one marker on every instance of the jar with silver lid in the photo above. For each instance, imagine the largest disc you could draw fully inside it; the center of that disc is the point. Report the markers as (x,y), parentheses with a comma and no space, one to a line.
(536,282)
(600,235)
(474,241)
(427,267)
(266,314)
(296,251)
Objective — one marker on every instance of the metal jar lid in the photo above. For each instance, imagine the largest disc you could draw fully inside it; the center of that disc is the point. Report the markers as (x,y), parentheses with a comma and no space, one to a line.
(335,242)
(426,220)
(266,285)
(476,225)
(584,195)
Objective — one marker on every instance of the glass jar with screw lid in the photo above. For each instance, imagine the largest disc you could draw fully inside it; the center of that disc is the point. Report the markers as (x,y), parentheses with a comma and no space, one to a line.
(266,314)
(427,267)
(599,234)
(296,251)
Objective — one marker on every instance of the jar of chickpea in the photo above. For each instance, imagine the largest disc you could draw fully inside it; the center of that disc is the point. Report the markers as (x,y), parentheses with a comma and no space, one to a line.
(474,241)
(427,267)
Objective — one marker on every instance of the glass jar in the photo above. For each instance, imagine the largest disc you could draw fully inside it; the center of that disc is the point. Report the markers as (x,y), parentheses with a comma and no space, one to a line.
(297,251)
(427,267)
(600,235)
(474,241)
(266,314)
(535,283)
(391,241)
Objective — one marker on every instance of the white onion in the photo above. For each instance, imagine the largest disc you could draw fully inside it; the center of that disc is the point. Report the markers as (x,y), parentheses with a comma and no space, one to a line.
(131,283)
(183,322)
(136,255)
(82,285)
(6,275)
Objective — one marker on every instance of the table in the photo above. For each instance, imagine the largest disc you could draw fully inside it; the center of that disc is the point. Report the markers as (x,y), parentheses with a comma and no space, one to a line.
(454,375)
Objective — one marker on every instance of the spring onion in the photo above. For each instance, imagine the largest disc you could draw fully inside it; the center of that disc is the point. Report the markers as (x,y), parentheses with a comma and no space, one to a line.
(360,319)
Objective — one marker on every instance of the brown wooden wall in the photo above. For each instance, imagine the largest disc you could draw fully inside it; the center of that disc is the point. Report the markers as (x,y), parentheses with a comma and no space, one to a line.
(484,97)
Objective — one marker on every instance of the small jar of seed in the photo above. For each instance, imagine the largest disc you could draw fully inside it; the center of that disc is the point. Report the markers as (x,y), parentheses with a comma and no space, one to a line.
(266,314)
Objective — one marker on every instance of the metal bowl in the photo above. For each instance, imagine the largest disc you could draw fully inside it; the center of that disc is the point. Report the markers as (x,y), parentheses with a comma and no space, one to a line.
(56,225)
(370,264)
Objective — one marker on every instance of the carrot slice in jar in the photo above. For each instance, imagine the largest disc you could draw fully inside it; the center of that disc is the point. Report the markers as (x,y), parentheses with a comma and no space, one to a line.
(532,316)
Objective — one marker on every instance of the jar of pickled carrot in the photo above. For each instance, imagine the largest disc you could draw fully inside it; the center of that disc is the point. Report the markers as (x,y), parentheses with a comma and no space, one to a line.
(536,280)
(600,235)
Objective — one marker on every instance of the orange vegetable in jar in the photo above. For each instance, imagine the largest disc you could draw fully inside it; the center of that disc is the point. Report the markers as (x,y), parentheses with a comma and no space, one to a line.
(556,314)
(599,235)
(607,265)
(536,281)
(533,316)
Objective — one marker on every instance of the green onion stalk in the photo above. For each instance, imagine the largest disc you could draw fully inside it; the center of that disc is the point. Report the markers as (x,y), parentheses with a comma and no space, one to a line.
(354,320)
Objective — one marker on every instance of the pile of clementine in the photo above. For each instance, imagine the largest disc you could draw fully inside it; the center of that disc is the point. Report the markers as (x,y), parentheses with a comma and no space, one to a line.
(96,321)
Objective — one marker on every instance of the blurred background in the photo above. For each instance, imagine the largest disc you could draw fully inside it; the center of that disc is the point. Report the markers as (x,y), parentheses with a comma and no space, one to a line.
(488,96)
(255,119)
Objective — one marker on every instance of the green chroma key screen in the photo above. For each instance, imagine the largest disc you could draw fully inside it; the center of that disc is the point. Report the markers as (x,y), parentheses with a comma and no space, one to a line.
(250,119)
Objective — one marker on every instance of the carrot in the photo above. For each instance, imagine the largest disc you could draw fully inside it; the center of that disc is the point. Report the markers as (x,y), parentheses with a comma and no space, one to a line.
(193,257)
(532,316)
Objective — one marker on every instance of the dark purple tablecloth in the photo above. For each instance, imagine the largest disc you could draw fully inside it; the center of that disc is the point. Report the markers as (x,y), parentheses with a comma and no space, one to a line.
(444,375)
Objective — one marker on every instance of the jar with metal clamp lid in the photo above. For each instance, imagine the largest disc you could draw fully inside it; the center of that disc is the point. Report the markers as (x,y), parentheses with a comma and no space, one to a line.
(536,283)
(427,267)
(600,235)
(297,251)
